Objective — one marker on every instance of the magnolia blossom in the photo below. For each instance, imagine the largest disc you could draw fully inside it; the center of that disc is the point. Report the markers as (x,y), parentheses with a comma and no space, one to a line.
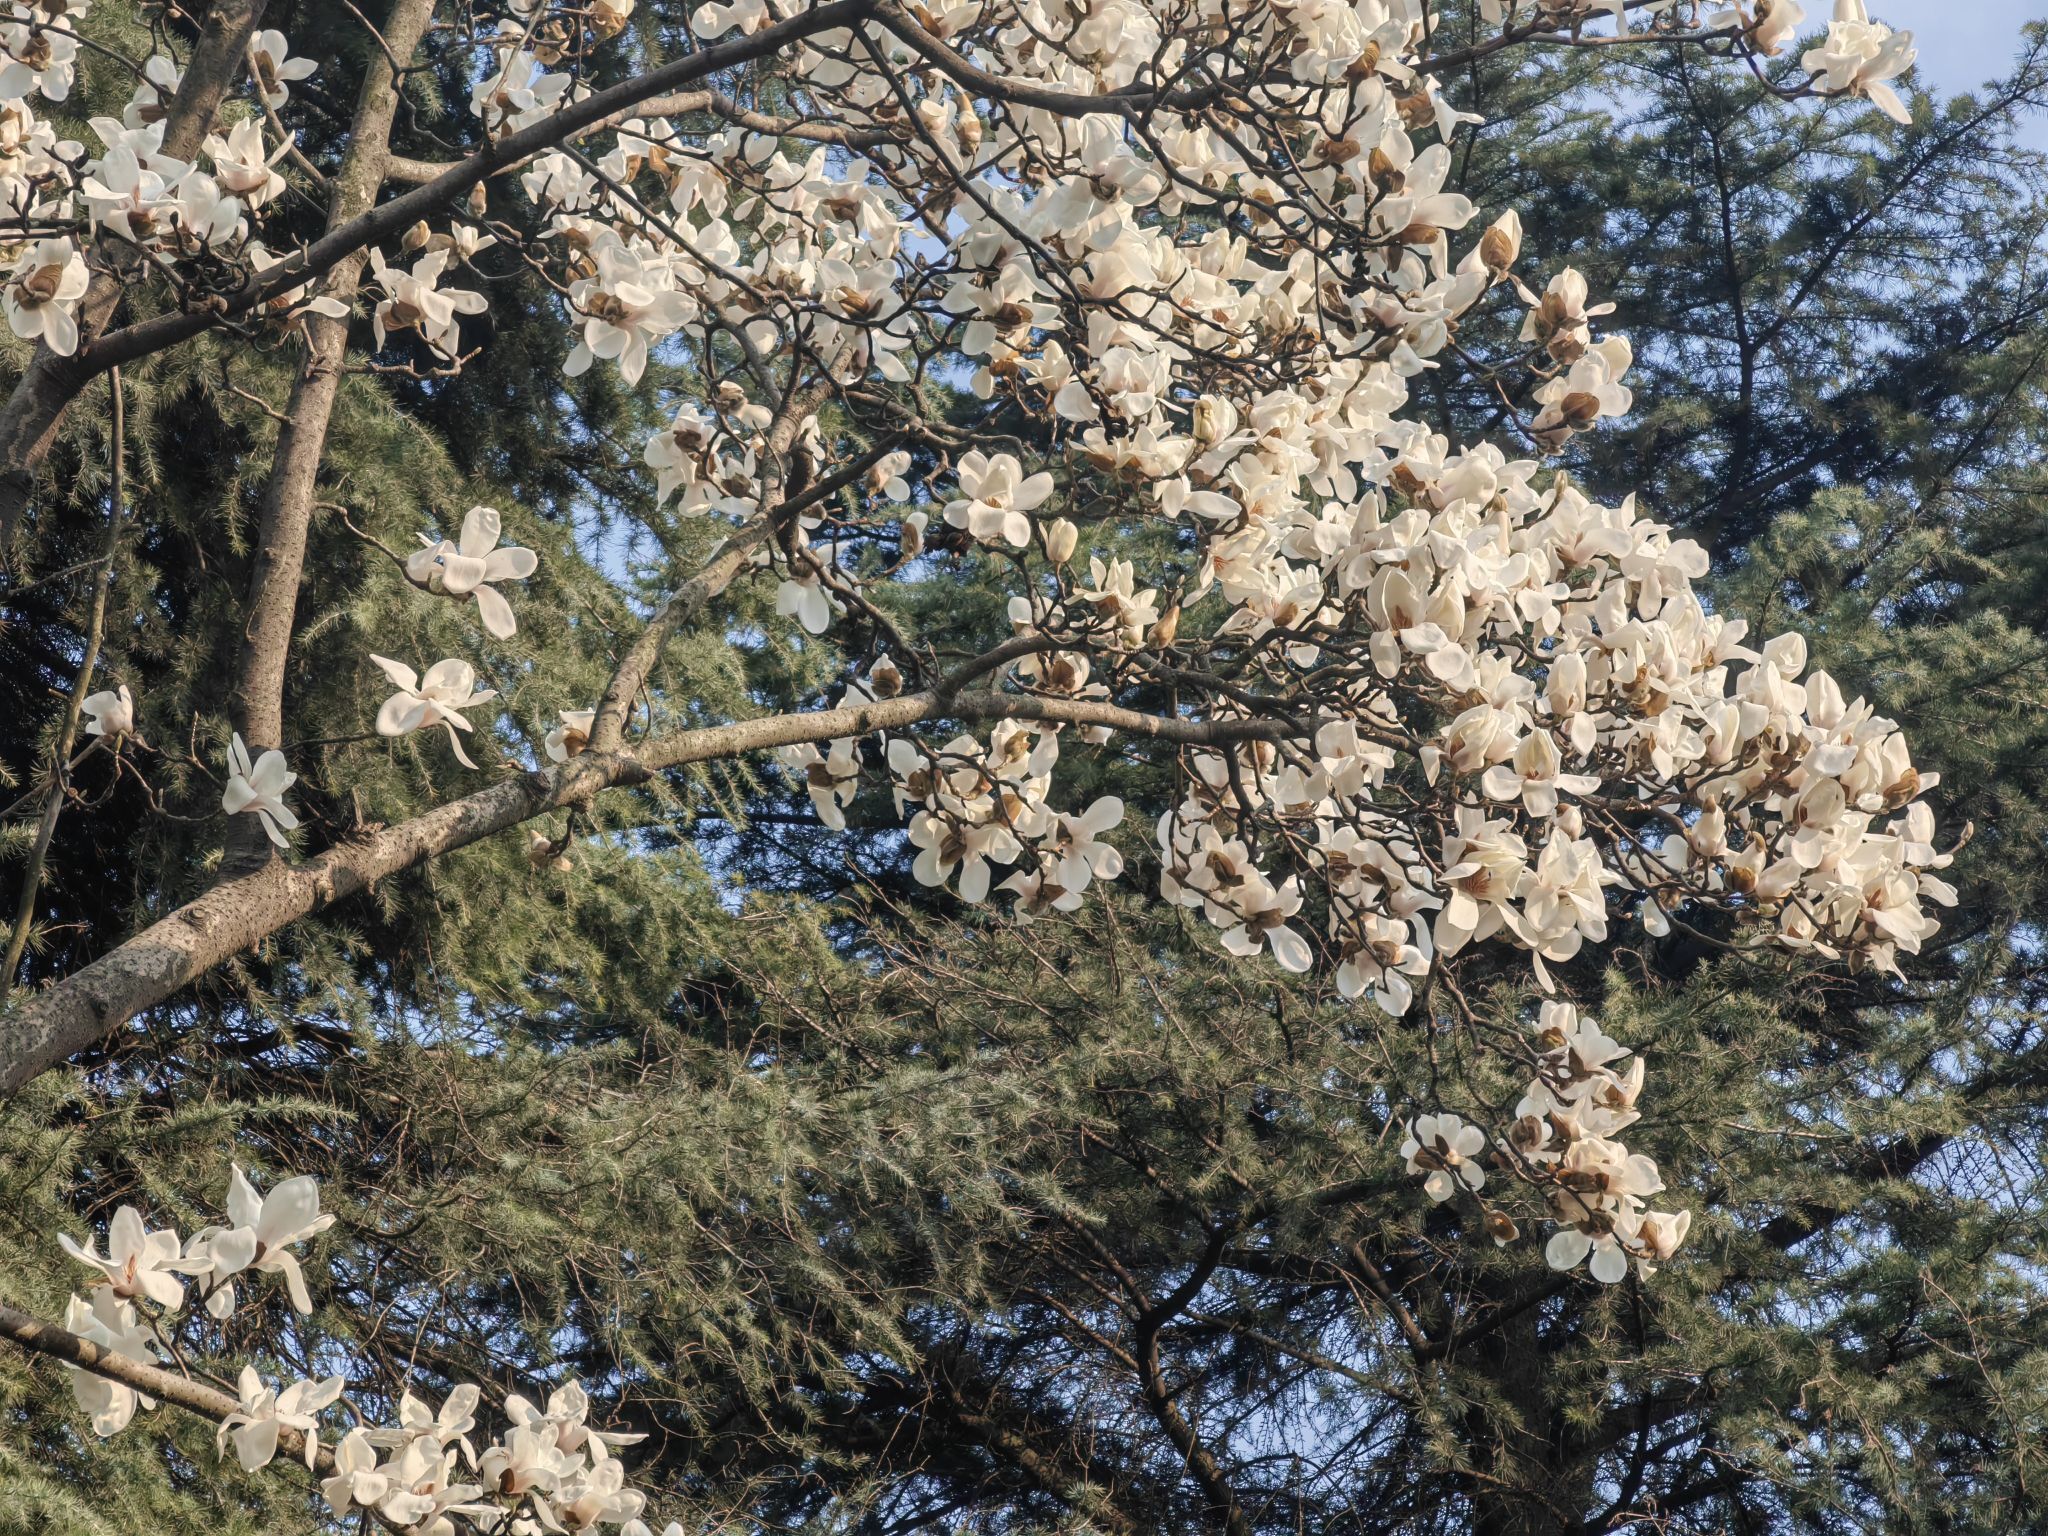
(109,712)
(259,1230)
(112,1324)
(242,167)
(1445,1150)
(627,304)
(1861,56)
(995,495)
(564,1421)
(415,301)
(1077,846)
(273,67)
(948,849)
(42,294)
(1772,24)
(260,787)
(138,1262)
(264,1413)
(436,699)
(832,777)
(292,302)
(160,80)
(34,57)
(471,564)
(570,737)
(1260,911)
(357,1479)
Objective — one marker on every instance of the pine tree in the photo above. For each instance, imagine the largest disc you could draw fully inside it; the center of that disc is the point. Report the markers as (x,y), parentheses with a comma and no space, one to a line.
(877,1217)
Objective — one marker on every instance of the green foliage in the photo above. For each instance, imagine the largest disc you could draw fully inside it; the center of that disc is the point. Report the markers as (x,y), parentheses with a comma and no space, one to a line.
(871,1216)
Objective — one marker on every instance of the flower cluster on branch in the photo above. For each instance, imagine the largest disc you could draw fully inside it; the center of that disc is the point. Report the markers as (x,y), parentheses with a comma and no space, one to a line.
(1184,263)
(546,1469)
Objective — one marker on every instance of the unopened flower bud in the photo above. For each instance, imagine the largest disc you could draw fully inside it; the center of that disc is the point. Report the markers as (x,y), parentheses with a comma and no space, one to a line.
(886,679)
(1215,419)
(1501,244)
(1061,539)
(1167,627)
(417,237)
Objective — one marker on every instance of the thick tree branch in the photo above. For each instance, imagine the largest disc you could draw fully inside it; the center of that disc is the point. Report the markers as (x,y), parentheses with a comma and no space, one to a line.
(239,913)
(601,109)
(288,501)
(39,1337)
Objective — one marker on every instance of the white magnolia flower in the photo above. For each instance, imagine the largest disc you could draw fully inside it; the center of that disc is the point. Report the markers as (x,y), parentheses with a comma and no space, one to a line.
(260,1229)
(1658,1237)
(565,1422)
(254,1426)
(111,1323)
(415,301)
(273,67)
(1256,911)
(161,78)
(1076,845)
(832,777)
(1568,1248)
(259,787)
(436,699)
(802,595)
(946,848)
(994,497)
(242,167)
(109,712)
(357,1479)
(203,214)
(629,302)
(450,1425)
(35,60)
(521,92)
(42,294)
(292,302)
(472,564)
(524,1462)
(1446,1151)
(598,1495)
(571,736)
(138,1262)
(1775,23)
(423,1491)
(1860,56)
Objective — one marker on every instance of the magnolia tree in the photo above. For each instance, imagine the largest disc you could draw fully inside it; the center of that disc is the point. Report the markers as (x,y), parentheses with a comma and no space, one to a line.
(1191,258)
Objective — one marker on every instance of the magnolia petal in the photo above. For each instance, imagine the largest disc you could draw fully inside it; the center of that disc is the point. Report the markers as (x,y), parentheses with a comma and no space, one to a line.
(461,573)
(256,1444)
(400,715)
(400,674)
(496,613)
(512,563)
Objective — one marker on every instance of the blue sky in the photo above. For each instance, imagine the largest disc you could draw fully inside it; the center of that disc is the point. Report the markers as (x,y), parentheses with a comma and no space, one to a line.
(1962,42)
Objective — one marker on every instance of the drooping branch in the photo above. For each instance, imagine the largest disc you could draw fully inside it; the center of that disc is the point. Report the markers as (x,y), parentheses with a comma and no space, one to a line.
(67,730)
